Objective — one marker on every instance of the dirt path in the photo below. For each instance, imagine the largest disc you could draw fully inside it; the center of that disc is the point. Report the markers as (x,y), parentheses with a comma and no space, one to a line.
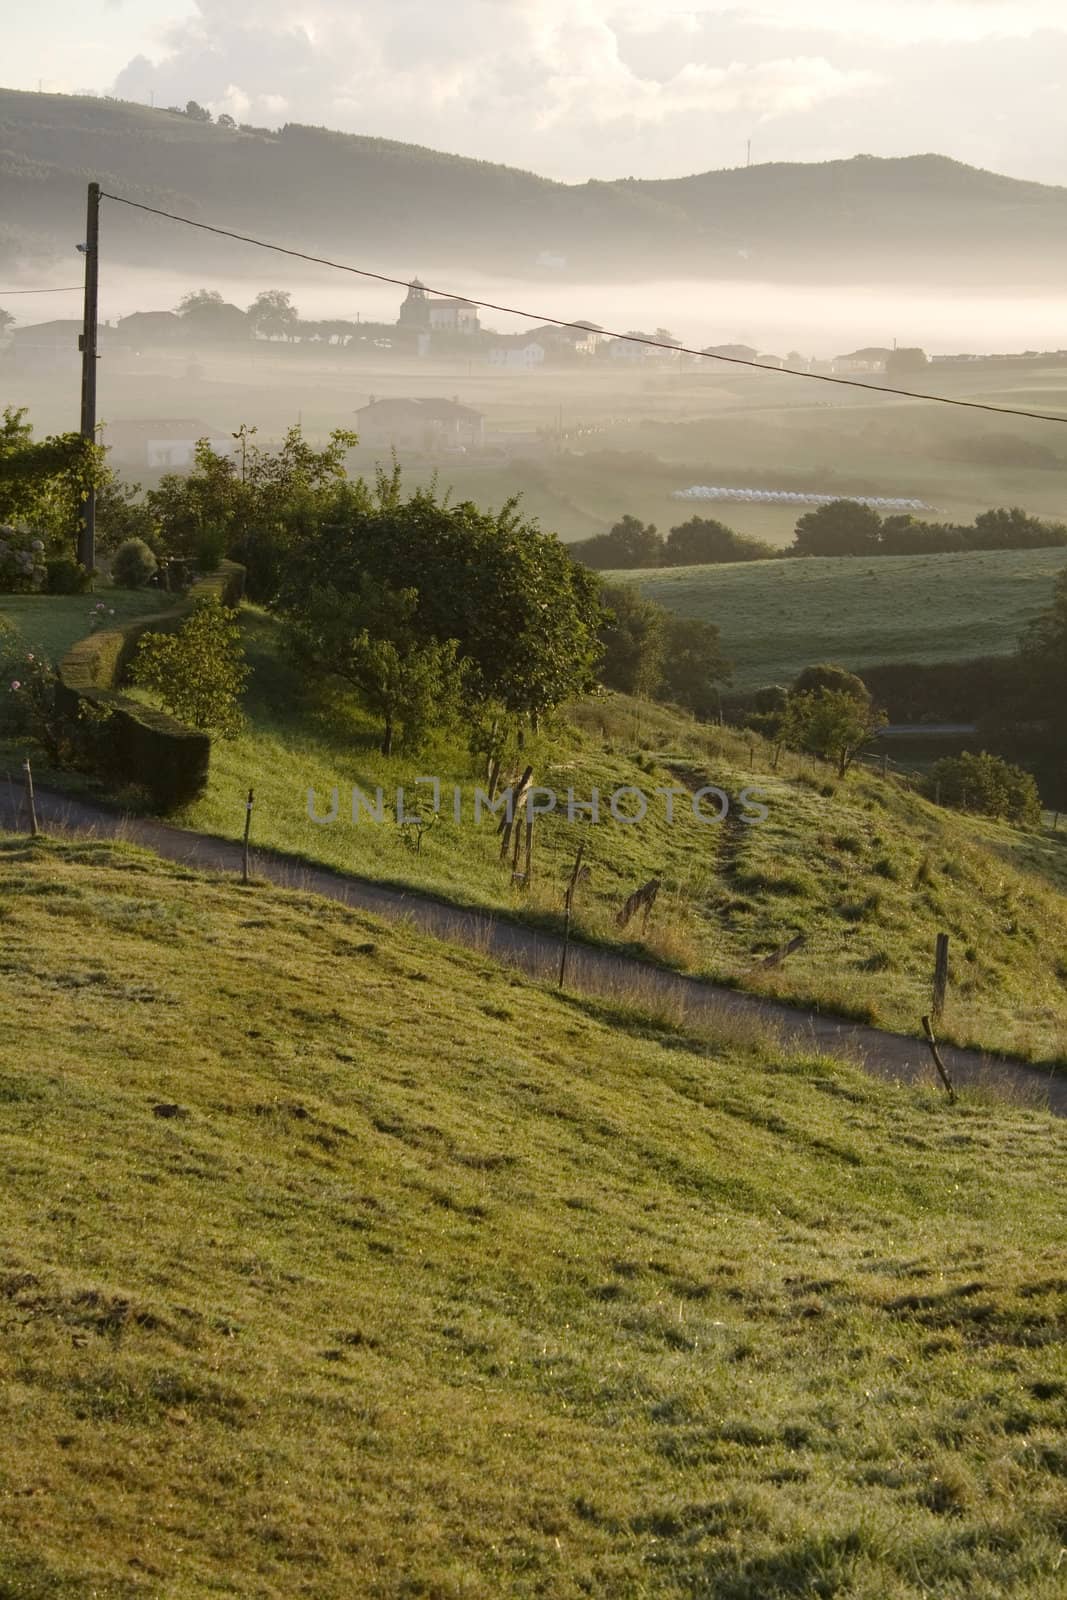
(886,1055)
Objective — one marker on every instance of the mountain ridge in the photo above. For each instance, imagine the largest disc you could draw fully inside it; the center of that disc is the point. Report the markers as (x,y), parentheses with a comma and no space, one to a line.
(925,215)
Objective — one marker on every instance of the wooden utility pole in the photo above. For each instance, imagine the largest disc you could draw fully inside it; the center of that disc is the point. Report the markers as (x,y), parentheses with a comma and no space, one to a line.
(87,346)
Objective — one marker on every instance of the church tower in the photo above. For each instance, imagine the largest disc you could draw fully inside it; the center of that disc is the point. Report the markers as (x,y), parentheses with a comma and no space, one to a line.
(415,312)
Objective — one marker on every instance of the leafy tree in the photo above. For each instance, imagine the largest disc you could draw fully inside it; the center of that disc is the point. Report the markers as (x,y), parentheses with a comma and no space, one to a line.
(905,535)
(987,784)
(206,313)
(43,482)
(522,613)
(1014,529)
(121,515)
(906,363)
(199,673)
(630,543)
(273,315)
(694,667)
(224,120)
(198,300)
(702,541)
(633,638)
(369,637)
(832,724)
(828,676)
(840,528)
(197,112)
(7,320)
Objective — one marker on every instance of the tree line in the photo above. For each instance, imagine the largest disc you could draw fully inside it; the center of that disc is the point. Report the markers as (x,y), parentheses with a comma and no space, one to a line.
(839,528)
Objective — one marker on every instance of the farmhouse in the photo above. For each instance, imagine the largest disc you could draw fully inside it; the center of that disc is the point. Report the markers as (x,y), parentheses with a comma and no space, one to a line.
(424,425)
(162,443)
(46,347)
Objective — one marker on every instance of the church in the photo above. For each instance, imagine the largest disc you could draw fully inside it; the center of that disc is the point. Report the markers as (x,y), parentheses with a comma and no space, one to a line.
(431,313)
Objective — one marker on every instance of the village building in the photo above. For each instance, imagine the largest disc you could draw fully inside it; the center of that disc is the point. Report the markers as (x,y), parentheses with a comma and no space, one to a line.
(164,444)
(429,313)
(427,426)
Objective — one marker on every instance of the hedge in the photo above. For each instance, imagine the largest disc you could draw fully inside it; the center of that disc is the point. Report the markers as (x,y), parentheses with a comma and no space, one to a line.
(141,745)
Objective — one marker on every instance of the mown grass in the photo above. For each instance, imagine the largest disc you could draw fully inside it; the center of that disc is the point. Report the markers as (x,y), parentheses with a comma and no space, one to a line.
(777,617)
(53,622)
(334,1262)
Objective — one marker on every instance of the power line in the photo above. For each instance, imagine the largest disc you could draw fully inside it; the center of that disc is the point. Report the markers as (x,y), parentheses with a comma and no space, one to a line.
(558,322)
(71,288)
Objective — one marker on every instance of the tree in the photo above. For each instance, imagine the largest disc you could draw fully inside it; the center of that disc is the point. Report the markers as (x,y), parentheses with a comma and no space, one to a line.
(7,320)
(702,541)
(522,613)
(630,543)
(832,724)
(369,637)
(206,313)
(841,528)
(829,677)
(224,120)
(1043,662)
(1014,529)
(694,667)
(987,784)
(273,315)
(44,482)
(633,639)
(906,363)
(199,672)
(196,112)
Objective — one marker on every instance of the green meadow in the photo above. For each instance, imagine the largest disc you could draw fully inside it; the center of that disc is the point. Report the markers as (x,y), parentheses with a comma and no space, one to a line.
(338,1262)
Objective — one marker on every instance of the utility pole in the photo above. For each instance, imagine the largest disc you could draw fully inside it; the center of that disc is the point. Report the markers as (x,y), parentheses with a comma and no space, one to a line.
(87,345)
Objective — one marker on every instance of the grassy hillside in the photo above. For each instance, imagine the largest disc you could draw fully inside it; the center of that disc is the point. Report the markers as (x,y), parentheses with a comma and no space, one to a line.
(833,219)
(335,1263)
(870,872)
(777,617)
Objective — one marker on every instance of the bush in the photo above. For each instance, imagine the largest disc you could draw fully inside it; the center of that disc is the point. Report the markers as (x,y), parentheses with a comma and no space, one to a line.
(988,785)
(210,549)
(64,575)
(134,565)
(22,567)
(198,672)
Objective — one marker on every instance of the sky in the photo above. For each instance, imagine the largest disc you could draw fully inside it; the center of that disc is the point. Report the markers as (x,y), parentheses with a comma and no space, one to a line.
(576,89)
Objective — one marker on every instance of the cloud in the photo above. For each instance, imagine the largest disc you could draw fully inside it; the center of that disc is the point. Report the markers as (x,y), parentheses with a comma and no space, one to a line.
(600,88)
(479,75)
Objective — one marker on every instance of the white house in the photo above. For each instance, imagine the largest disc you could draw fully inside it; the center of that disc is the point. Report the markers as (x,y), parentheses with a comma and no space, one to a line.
(524,354)
(163,443)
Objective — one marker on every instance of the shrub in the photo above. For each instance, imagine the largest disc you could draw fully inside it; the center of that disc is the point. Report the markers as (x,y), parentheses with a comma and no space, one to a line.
(64,575)
(22,567)
(198,672)
(134,565)
(988,785)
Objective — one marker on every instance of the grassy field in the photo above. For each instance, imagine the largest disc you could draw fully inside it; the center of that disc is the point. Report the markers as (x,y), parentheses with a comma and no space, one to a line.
(334,1262)
(53,622)
(779,616)
(867,870)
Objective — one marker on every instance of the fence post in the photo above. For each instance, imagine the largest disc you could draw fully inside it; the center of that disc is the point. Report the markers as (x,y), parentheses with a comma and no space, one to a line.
(568,906)
(940,976)
(938,1063)
(248,829)
(34,829)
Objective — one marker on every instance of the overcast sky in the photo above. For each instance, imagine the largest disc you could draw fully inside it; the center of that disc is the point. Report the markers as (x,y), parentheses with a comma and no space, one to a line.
(589,88)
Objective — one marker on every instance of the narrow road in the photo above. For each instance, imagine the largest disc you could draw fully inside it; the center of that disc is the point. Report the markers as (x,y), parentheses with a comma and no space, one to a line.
(534,951)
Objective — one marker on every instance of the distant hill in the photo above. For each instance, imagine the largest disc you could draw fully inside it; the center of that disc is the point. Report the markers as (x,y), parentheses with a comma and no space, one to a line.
(398,206)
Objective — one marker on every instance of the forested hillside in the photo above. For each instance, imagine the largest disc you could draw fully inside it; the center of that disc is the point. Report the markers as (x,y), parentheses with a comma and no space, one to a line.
(306,185)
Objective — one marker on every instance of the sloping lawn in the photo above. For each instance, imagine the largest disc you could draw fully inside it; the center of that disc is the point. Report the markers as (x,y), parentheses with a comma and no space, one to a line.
(53,622)
(336,1263)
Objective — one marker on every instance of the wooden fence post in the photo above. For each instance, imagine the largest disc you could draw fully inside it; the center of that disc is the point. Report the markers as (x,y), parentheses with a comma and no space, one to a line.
(940,977)
(248,829)
(938,1063)
(577,876)
(28,770)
